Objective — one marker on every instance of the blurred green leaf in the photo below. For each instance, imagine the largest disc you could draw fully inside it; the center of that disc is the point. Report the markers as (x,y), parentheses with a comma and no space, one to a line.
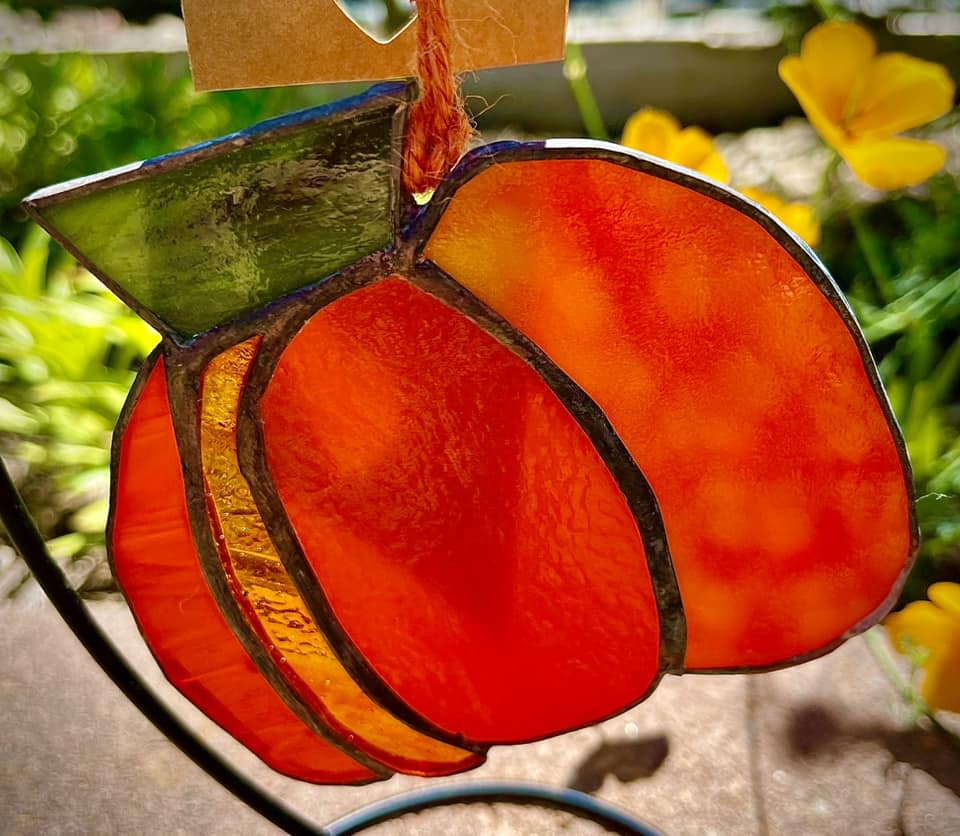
(67,546)
(68,354)
(917,339)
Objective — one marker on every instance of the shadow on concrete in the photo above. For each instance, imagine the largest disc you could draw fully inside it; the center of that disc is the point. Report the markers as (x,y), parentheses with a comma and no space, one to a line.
(814,731)
(626,760)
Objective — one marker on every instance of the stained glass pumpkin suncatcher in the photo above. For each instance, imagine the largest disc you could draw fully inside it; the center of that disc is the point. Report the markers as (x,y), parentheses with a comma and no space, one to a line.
(401,483)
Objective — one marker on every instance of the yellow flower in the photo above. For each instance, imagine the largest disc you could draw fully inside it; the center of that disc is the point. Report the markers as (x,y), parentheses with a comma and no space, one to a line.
(858,101)
(798,216)
(660,135)
(933,626)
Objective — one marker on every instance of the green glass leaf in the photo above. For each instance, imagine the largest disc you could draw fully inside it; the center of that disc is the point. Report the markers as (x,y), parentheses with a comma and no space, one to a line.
(196,238)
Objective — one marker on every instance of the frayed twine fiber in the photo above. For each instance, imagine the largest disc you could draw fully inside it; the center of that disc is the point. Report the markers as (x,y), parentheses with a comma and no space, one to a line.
(438,129)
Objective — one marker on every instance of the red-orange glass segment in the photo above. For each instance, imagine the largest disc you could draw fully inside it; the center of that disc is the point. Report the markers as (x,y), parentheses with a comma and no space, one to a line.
(468,537)
(156,564)
(732,379)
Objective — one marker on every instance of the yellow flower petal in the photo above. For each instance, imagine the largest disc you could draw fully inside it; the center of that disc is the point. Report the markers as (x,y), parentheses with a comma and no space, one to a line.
(796,216)
(650,131)
(794,75)
(801,220)
(893,163)
(693,148)
(921,624)
(835,59)
(946,596)
(714,166)
(770,202)
(941,680)
(934,626)
(658,134)
(900,92)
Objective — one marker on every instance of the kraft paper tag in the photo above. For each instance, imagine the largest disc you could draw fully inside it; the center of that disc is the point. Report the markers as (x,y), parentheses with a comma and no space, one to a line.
(272,43)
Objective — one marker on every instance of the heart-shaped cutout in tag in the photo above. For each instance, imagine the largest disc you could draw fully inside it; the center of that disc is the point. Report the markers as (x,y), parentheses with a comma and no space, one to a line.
(379,20)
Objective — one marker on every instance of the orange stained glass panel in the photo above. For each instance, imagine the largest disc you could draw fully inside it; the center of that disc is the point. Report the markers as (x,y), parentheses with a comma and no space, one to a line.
(268,597)
(157,568)
(465,531)
(730,377)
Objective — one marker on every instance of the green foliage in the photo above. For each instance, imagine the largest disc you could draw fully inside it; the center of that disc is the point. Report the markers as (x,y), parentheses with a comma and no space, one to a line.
(908,301)
(67,351)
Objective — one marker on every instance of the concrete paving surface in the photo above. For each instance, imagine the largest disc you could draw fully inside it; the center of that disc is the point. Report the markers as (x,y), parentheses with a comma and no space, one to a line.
(825,748)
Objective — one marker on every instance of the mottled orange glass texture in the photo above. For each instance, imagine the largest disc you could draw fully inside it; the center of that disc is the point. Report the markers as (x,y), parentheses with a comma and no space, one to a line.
(733,381)
(462,526)
(157,566)
(268,597)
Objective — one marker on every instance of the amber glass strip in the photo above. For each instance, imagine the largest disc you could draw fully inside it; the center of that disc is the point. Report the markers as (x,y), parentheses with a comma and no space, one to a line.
(157,567)
(727,370)
(270,601)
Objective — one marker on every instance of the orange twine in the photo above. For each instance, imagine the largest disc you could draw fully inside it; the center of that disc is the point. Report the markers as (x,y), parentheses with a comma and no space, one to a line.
(438,128)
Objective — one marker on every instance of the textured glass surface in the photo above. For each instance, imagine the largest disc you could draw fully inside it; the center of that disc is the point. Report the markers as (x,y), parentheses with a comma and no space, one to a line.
(198,244)
(464,529)
(731,378)
(157,567)
(270,601)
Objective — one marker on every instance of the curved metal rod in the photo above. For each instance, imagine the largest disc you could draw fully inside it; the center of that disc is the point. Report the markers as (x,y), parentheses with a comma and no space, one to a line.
(27,540)
(505,792)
